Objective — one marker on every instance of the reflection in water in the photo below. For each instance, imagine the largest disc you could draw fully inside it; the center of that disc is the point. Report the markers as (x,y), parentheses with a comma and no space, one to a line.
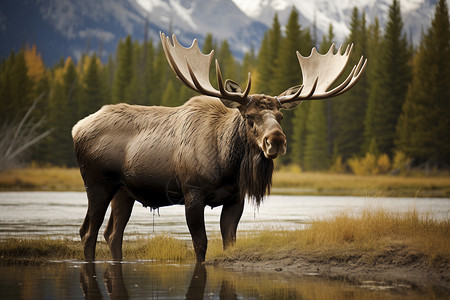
(116,289)
(152,280)
(115,286)
(198,283)
(112,277)
(88,281)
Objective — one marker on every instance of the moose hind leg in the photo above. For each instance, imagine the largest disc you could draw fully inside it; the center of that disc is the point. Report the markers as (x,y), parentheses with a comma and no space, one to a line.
(229,220)
(121,208)
(98,201)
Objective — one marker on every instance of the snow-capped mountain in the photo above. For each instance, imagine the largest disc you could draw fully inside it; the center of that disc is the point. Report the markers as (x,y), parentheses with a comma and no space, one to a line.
(63,28)
(416,14)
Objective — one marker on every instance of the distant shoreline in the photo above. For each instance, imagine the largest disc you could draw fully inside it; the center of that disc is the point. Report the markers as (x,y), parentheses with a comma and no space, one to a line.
(284,183)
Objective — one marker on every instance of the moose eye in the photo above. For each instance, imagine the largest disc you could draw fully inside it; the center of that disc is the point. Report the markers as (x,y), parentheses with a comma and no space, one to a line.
(250,119)
(279,117)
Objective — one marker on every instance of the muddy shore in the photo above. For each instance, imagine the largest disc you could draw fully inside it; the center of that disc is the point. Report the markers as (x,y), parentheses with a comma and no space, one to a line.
(391,270)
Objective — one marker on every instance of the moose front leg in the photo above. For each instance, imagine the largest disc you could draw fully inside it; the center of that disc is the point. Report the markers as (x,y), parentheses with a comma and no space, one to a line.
(195,218)
(229,220)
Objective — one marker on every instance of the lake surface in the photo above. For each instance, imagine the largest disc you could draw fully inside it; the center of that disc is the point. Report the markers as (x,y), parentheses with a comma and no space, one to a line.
(60,214)
(151,280)
(28,214)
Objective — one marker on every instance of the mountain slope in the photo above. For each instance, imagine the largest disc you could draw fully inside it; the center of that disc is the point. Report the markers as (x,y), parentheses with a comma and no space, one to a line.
(62,28)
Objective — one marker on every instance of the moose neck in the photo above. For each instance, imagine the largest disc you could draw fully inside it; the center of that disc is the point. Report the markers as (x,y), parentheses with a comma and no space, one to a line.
(255,170)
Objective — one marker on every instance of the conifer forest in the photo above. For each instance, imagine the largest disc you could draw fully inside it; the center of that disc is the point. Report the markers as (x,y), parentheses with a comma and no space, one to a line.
(396,117)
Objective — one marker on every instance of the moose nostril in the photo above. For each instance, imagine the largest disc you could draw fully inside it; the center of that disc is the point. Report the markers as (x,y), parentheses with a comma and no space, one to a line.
(267,142)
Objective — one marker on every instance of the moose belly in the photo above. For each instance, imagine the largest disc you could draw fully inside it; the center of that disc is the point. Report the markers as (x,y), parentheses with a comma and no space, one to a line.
(154,191)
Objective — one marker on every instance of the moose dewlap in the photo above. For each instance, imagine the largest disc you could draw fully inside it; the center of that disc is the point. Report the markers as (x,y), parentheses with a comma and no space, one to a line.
(216,149)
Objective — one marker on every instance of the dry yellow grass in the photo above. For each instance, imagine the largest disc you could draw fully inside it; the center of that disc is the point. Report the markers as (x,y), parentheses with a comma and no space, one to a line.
(362,185)
(161,247)
(48,178)
(368,236)
(35,250)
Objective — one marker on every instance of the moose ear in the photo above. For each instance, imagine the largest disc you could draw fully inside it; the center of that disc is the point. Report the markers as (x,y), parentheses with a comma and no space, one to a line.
(233,87)
(290,91)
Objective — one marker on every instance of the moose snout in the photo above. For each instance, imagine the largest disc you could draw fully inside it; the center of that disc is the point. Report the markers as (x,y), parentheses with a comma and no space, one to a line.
(274,144)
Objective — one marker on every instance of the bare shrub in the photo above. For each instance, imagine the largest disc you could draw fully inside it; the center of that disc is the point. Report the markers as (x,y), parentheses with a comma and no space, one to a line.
(18,136)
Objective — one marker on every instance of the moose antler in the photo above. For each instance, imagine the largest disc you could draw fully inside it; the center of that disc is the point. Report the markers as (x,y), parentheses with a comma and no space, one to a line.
(319,72)
(192,67)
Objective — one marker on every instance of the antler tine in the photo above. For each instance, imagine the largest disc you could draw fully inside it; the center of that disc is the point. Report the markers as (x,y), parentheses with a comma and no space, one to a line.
(320,71)
(359,69)
(192,67)
(296,95)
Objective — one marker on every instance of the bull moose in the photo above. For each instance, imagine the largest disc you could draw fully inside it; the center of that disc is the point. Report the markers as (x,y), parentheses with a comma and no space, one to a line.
(216,149)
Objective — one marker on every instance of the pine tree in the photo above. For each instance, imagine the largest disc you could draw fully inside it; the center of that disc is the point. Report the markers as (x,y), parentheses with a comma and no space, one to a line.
(62,115)
(350,108)
(149,75)
(56,144)
(275,39)
(287,74)
(107,74)
(373,48)
(124,71)
(135,91)
(169,96)
(267,58)
(93,94)
(390,83)
(297,143)
(374,41)
(208,44)
(161,74)
(72,91)
(16,88)
(35,65)
(424,128)
(248,65)
(227,62)
(316,146)
(264,66)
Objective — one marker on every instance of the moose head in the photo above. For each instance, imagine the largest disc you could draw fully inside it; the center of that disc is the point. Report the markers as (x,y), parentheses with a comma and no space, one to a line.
(262,112)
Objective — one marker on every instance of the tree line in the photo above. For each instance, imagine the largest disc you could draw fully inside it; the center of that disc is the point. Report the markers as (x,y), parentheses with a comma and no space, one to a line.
(396,116)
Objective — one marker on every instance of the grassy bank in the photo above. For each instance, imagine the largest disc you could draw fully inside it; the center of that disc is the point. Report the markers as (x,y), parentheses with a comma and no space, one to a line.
(284,182)
(374,235)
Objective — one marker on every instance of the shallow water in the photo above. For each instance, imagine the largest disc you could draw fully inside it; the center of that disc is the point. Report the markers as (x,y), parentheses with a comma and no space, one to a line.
(56,214)
(28,214)
(151,280)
